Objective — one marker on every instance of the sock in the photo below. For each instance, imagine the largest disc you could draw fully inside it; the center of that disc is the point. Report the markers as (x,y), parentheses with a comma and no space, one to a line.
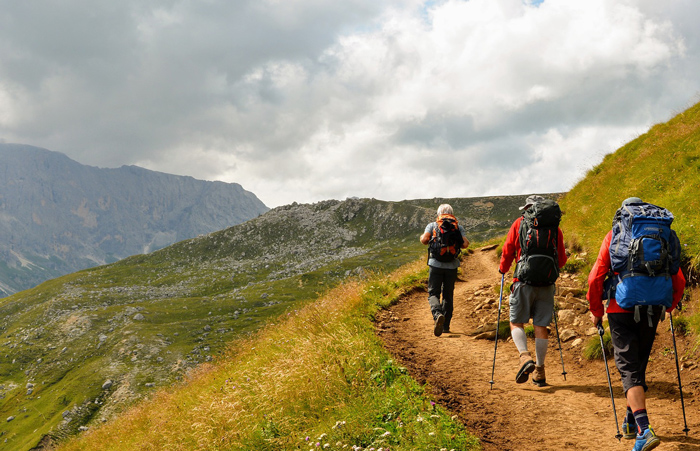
(629,417)
(640,416)
(519,338)
(540,350)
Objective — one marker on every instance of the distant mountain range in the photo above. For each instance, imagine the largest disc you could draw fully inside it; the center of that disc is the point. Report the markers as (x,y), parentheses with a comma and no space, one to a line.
(58,216)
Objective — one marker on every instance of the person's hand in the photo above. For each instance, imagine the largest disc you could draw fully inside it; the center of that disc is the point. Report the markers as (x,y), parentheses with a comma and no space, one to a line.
(596,320)
(499,270)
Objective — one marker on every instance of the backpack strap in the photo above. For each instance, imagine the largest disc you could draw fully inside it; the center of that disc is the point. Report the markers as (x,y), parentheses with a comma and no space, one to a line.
(650,314)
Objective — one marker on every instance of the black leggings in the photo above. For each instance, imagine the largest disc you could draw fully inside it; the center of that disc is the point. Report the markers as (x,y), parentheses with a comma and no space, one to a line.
(441,281)
(632,342)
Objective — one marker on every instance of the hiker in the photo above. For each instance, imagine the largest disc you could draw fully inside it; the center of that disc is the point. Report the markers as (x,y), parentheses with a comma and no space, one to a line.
(536,243)
(445,239)
(638,296)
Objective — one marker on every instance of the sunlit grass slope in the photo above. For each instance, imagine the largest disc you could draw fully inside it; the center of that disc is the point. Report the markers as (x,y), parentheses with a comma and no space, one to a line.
(319,379)
(662,167)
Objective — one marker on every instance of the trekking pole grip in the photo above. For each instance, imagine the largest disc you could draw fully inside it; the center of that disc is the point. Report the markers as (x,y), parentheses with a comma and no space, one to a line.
(601,331)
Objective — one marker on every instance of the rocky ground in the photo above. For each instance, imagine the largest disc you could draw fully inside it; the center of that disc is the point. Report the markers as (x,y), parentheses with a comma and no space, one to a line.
(574,411)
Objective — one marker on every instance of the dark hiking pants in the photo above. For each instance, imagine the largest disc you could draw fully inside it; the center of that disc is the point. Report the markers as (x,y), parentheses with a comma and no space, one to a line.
(441,281)
(632,342)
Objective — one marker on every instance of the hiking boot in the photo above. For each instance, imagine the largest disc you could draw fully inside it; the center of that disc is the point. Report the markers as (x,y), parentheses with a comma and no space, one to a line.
(648,440)
(439,321)
(527,366)
(538,377)
(629,430)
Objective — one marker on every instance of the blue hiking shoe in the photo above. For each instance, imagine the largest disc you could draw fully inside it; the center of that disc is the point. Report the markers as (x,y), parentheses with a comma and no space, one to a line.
(648,440)
(629,430)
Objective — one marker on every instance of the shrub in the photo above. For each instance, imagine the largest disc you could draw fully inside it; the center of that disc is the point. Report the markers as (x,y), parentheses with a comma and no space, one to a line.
(530,330)
(680,325)
(592,349)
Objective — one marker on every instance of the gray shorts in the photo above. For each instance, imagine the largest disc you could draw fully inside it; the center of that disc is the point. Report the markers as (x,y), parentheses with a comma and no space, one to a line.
(527,301)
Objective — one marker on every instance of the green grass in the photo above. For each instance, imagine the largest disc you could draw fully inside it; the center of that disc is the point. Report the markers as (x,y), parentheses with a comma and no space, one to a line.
(320,376)
(662,167)
(592,349)
(147,321)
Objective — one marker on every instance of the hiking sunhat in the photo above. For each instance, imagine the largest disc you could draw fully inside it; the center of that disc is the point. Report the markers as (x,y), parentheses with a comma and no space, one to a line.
(531,200)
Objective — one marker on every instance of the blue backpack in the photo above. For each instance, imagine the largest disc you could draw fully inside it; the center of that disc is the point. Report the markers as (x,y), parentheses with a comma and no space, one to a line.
(644,254)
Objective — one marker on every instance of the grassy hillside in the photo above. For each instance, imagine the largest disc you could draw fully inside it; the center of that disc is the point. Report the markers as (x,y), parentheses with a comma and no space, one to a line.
(662,167)
(318,380)
(77,349)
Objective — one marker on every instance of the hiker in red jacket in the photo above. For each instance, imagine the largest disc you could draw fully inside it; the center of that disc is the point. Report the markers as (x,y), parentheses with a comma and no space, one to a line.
(632,333)
(531,300)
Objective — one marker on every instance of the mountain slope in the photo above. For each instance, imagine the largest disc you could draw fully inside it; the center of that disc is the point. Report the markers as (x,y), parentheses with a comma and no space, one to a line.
(58,216)
(146,320)
(661,166)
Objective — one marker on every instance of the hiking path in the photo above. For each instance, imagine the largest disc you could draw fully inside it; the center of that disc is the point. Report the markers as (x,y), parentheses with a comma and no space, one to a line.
(572,413)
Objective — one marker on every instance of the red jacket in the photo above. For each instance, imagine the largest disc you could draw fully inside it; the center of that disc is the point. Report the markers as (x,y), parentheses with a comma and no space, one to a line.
(597,276)
(511,248)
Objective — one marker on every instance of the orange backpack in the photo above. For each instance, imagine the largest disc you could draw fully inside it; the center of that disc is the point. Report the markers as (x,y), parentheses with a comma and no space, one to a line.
(446,242)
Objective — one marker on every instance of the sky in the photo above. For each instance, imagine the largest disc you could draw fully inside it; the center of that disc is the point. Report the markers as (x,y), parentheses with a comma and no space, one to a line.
(309,100)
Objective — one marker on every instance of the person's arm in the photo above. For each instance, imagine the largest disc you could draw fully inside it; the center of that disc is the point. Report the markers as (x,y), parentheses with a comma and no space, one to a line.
(427,234)
(465,241)
(561,250)
(510,247)
(678,281)
(596,278)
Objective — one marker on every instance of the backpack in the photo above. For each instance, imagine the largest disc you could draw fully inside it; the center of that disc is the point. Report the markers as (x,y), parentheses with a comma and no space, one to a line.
(644,253)
(446,242)
(538,264)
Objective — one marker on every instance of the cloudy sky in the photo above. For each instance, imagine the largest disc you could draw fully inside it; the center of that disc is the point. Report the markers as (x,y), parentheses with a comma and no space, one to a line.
(306,100)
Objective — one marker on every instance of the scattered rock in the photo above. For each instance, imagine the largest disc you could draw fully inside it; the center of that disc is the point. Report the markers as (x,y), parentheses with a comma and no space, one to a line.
(107,385)
(566,316)
(567,335)
(486,335)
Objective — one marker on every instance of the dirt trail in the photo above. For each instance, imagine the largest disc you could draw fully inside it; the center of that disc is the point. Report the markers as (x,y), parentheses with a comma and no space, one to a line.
(575,413)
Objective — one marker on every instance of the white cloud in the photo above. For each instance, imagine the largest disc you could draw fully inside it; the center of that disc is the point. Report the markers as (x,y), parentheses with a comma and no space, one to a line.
(309,100)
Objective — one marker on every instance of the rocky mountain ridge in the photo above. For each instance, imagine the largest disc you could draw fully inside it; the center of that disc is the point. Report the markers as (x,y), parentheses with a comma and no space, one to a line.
(58,216)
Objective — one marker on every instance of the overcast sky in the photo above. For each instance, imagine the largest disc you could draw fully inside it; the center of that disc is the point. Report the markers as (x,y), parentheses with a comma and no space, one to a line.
(307,100)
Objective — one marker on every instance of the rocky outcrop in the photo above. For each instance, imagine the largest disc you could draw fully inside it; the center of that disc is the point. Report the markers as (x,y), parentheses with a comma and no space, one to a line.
(58,216)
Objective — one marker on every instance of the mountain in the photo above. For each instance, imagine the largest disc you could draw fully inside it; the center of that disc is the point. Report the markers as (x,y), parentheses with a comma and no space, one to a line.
(58,216)
(79,347)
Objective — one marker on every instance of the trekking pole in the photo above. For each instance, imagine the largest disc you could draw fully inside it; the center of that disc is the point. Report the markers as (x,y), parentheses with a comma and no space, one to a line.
(561,355)
(601,332)
(498,324)
(678,370)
